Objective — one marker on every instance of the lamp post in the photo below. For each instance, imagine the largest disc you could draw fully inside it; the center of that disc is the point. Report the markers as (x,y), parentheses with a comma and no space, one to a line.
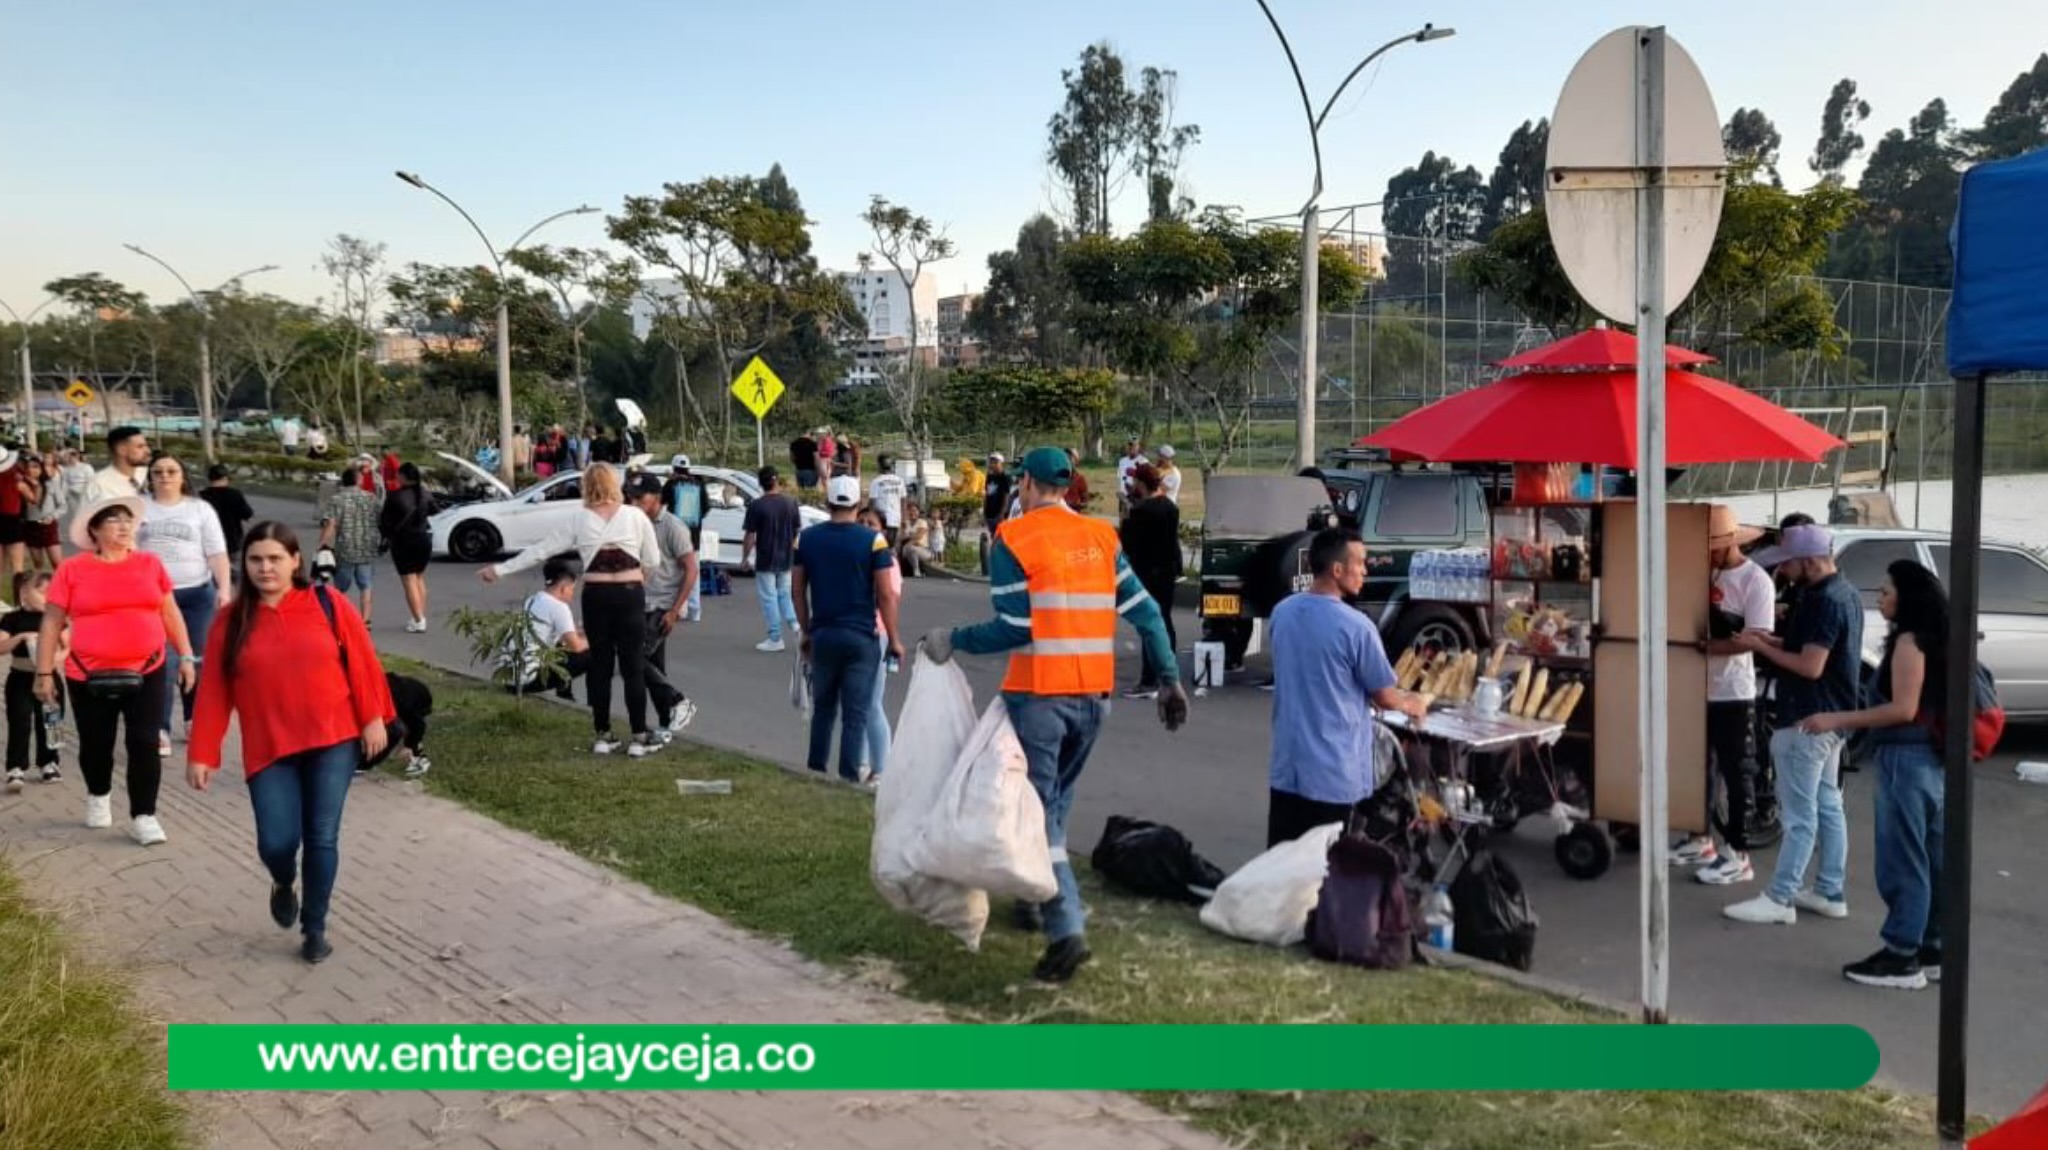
(1312,226)
(205,342)
(505,470)
(28,376)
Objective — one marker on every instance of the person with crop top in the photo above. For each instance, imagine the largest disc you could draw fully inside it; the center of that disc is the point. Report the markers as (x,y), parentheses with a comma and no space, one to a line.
(618,548)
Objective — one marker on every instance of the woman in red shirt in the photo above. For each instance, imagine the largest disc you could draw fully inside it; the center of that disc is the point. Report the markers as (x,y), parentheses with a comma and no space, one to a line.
(295,664)
(118,603)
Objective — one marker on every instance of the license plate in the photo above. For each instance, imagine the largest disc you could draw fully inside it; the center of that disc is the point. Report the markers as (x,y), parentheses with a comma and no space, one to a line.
(1221,605)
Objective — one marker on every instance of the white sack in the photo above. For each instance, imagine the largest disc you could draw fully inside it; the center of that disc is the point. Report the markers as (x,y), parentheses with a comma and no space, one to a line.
(987,827)
(1269,898)
(937,719)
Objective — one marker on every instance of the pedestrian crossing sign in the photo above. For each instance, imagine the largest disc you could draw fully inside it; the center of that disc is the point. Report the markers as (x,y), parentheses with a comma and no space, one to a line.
(757,388)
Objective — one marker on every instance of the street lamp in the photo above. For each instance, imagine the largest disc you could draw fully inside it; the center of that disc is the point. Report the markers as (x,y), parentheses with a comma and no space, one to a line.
(505,470)
(205,343)
(1312,226)
(28,376)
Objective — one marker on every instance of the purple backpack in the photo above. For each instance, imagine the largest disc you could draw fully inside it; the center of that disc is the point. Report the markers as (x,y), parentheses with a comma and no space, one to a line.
(1361,915)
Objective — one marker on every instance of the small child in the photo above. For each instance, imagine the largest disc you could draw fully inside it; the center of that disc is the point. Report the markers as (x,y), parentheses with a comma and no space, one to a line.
(18,631)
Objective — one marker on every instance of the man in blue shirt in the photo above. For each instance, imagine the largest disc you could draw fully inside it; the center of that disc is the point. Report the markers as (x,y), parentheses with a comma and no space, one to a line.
(840,582)
(1328,664)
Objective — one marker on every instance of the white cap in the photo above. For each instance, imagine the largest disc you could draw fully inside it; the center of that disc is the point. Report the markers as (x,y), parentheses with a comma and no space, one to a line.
(1166,451)
(995,457)
(843,491)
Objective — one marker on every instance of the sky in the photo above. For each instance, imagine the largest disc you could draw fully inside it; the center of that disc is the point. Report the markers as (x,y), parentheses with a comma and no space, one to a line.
(227,134)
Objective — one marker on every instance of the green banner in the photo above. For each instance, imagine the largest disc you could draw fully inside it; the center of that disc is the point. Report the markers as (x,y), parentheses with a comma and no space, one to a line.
(965,1057)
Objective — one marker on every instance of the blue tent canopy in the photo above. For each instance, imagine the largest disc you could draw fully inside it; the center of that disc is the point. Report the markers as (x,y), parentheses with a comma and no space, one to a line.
(1998,317)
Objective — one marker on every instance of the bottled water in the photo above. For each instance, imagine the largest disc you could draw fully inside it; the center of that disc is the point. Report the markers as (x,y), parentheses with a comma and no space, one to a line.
(1437,918)
(1418,576)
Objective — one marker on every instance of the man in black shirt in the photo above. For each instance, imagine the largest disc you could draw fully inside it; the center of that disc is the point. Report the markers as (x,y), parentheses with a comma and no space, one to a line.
(803,455)
(995,503)
(232,507)
(770,542)
(1151,539)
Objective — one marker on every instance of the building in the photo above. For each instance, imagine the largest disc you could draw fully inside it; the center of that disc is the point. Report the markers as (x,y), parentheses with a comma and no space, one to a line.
(891,311)
(1369,253)
(656,298)
(398,345)
(957,346)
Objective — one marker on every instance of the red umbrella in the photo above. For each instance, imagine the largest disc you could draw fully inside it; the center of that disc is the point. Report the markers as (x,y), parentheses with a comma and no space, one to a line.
(1590,417)
(1600,348)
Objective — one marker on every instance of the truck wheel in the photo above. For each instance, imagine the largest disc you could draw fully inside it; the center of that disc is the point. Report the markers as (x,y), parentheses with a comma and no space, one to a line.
(1434,626)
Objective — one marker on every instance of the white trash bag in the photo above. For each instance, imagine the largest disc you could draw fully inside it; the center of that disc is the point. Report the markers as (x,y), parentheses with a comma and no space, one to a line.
(934,727)
(1269,898)
(987,829)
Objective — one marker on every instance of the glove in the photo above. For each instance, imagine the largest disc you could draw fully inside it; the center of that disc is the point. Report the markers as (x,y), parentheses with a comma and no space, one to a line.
(938,644)
(1173,706)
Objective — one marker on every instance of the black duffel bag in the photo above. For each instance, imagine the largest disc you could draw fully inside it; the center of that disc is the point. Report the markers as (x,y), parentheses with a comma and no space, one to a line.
(1154,861)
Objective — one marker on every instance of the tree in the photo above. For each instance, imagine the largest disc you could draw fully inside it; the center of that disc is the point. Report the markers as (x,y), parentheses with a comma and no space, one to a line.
(97,302)
(2018,122)
(263,334)
(1434,201)
(1839,139)
(1026,310)
(1909,189)
(1518,179)
(606,281)
(1752,143)
(907,242)
(1160,144)
(1089,139)
(356,266)
(1007,402)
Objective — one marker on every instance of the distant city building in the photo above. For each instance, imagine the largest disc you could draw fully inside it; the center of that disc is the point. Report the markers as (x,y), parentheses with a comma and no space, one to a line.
(958,347)
(403,346)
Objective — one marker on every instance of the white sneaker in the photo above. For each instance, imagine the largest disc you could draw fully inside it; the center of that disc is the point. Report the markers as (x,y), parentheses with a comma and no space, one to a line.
(146,830)
(1764,910)
(417,767)
(163,744)
(99,811)
(643,745)
(1695,852)
(605,745)
(770,646)
(15,778)
(680,717)
(416,626)
(1822,906)
(1731,869)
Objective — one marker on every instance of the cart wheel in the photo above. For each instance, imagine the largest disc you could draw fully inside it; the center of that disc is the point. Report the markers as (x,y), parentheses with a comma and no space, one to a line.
(1628,838)
(1585,851)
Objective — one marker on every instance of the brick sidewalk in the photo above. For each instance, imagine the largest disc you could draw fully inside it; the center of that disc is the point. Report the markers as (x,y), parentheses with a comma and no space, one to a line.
(441,915)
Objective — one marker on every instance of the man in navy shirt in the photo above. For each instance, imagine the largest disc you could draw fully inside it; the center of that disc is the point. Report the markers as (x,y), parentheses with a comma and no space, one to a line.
(1328,664)
(840,582)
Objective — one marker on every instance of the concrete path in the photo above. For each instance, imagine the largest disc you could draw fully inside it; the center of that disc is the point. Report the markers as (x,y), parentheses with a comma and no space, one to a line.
(443,916)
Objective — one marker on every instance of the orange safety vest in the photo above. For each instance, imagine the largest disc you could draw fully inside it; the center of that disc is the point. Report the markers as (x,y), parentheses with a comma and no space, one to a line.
(1069,563)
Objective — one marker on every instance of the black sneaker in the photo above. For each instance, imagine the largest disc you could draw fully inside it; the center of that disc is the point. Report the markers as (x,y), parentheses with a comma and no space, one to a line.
(284,905)
(315,949)
(1930,962)
(1061,960)
(1887,968)
(1026,916)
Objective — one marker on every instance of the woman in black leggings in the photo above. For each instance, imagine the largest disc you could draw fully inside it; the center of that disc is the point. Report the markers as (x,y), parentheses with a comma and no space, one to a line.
(618,548)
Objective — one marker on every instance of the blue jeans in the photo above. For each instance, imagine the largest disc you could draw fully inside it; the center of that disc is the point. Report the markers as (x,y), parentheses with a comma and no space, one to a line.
(1909,844)
(351,576)
(196,604)
(876,755)
(777,607)
(1810,805)
(843,669)
(1057,732)
(298,801)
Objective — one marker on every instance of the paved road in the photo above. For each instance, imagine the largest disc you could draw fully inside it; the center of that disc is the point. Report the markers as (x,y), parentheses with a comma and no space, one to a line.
(1209,781)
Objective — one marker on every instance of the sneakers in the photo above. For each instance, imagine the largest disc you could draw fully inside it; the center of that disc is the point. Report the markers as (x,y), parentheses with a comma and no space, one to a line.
(99,811)
(770,646)
(419,765)
(1930,962)
(1889,969)
(1824,907)
(416,626)
(1730,869)
(1762,910)
(15,778)
(643,745)
(163,744)
(681,716)
(146,830)
(1695,852)
(315,949)
(284,905)
(51,773)
(605,744)
(1141,693)
(1061,960)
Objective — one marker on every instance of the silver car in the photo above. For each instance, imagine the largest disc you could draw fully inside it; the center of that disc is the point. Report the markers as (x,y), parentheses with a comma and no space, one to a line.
(2012,615)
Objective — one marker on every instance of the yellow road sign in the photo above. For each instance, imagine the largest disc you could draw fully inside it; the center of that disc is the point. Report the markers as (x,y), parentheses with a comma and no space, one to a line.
(79,393)
(757,388)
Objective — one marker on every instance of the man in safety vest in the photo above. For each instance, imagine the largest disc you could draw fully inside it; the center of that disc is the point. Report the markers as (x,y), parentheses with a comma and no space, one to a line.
(1059,580)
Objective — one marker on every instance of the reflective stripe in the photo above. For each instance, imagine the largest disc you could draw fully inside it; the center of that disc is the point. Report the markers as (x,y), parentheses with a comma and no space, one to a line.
(1059,855)
(1072,600)
(1131,604)
(1014,621)
(1073,647)
(1010,589)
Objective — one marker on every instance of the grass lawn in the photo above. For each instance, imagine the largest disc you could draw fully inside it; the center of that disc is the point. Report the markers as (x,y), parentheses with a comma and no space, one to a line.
(78,1066)
(787,856)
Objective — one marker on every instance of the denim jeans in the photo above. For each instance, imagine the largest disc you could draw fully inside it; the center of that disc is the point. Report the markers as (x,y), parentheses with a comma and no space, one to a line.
(1810,804)
(1057,732)
(196,604)
(876,756)
(777,607)
(843,669)
(298,801)
(1909,843)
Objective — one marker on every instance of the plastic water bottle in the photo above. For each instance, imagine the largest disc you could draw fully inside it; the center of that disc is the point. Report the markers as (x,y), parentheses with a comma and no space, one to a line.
(1437,919)
(1422,575)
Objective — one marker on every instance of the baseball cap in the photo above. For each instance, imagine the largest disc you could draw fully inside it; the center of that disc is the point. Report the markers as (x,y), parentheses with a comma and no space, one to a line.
(1166,451)
(645,485)
(996,457)
(1048,466)
(1808,541)
(843,491)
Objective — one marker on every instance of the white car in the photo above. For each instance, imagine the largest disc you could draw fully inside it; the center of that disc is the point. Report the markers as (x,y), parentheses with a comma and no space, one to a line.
(705,498)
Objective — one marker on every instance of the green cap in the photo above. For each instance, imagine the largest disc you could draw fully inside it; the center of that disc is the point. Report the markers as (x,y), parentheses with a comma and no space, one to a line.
(1049,466)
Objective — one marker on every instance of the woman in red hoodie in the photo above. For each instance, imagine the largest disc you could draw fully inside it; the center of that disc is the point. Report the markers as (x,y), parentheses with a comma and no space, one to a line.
(296,664)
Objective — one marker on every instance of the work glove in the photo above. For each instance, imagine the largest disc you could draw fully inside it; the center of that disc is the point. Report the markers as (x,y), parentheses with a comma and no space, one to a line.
(1173,706)
(937,644)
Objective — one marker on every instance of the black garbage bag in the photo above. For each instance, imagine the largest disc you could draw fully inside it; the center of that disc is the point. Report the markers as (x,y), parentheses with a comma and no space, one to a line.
(1154,861)
(1490,913)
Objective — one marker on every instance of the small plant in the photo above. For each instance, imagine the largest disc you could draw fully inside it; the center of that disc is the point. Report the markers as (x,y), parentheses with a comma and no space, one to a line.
(504,641)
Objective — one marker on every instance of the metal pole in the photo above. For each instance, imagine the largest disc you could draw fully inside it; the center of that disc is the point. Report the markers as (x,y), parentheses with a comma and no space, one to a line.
(505,470)
(1966,536)
(28,387)
(1311,321)
(206,392)
(1652,672)
(760,443)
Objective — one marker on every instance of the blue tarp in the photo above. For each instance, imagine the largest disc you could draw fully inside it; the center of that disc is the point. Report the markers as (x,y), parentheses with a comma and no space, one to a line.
(1998,317)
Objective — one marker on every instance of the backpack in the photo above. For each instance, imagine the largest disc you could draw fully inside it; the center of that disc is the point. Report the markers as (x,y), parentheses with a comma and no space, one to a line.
(1361,915)
(1491,916)
(1153,861)
(1987,717)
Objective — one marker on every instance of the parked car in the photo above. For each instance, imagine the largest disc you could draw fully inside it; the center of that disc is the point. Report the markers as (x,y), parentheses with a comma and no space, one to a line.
(504,521)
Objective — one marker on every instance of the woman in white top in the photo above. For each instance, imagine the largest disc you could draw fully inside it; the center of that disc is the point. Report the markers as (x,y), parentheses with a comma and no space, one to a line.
(618,548)
(185,534)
